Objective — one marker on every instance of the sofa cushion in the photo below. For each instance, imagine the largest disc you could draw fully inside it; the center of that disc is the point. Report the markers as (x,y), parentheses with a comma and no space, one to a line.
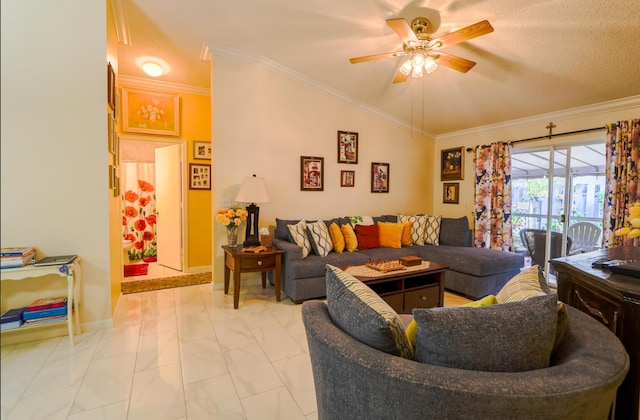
(282,229)
(418,223)
(479,262)
(455,232)
(350,238)
(432,230)
(367,236)
(361,313)
(298,236)
(510,337)
(405,240)
(320,238)
(337,238)
(528,283)
(390,234)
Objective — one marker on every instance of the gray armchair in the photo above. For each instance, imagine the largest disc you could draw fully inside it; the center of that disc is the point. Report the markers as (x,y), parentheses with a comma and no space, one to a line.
(355,381)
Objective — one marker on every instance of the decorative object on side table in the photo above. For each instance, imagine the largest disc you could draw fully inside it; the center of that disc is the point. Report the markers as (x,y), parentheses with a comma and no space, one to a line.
(253,190)
(231,218)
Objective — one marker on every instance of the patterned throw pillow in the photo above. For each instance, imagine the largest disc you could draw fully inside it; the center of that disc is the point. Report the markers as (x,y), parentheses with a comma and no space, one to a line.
(298,234)
(418,223)
(524,285)
(350,238)
(390,234)
(320,238)
(361,313)
(432,230)
(336,237)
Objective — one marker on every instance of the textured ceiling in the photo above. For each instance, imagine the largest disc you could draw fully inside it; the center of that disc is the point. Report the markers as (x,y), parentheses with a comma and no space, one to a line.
(543,56)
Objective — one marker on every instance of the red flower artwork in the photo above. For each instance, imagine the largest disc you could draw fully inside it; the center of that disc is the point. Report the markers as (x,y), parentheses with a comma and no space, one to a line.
(139,221)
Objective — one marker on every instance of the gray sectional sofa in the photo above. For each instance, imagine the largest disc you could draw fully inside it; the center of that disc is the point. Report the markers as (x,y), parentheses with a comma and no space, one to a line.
(472,272)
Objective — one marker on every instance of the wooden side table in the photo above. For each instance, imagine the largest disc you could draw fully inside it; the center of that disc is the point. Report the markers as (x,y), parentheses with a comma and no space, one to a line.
(249,262)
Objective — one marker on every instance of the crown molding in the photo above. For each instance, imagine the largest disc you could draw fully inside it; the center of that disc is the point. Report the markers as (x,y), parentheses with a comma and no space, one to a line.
(140,82)
(307,81)
(582,111)
(121,21)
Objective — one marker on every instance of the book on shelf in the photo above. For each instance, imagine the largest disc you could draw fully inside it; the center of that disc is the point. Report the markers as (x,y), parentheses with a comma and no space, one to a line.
(44,313)
(15,262)
(45,320)
(47,303)
(17,251)
(11,325)
(57,260)
(12,315)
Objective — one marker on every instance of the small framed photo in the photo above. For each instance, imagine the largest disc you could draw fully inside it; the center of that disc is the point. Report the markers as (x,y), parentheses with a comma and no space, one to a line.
(347,147)
(111,87)
(347,178)
(111,133)
(150,112)
(202,150)
(451,193)
(199,176)
(117,152)
(311,173)
(112,177)
(379,177)
(116,189)
(452,164)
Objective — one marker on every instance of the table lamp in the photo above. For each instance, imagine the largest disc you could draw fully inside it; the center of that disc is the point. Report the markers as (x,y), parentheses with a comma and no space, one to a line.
(253,190)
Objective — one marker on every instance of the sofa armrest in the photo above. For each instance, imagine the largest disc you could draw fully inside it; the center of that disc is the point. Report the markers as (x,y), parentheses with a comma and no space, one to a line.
(292,252)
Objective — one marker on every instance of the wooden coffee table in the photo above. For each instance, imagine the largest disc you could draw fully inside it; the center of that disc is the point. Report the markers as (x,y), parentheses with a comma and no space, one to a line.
(419,286)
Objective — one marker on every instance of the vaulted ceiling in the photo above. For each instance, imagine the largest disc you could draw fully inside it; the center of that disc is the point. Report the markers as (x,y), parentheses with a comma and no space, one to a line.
(543,56)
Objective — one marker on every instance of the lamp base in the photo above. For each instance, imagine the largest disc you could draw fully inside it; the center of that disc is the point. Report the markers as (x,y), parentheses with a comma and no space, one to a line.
(251,238)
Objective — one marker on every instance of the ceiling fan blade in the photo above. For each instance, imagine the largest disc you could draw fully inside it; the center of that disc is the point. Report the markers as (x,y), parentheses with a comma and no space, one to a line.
(376,57)
(456,63)
(461,35)
(400,77)
(403,30)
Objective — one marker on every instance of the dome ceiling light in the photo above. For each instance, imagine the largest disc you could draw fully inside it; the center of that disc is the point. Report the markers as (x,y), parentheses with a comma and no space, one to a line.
(153,66)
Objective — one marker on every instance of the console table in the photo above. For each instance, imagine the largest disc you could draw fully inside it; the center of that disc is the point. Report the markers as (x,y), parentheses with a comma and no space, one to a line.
(31,288)
(613,300)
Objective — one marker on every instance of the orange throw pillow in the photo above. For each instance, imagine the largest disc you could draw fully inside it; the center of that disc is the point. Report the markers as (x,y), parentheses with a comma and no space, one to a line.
(337,238)
(350,238)
(406,240)
(390,234)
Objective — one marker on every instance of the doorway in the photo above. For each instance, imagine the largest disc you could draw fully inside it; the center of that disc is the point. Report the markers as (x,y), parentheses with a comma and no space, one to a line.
(152,200)
(555,188)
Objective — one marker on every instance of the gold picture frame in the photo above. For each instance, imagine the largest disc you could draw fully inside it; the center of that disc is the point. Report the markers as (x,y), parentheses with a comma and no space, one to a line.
(150,112)
(452,164)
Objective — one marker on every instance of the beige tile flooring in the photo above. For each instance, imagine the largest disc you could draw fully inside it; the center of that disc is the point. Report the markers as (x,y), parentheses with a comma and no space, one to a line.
(181,353)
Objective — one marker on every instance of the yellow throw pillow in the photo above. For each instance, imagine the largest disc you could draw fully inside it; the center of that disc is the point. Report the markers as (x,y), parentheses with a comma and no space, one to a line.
(337,237)
(350,238)
(405,240)
(390,234)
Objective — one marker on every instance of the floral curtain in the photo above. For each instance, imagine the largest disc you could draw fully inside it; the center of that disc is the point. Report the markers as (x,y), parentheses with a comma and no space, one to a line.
(492,197)
(139,211)
(622,187)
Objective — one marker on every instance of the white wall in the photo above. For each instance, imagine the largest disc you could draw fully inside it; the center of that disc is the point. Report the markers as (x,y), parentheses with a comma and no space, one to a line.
(54,192)
(264,121)
(566,121)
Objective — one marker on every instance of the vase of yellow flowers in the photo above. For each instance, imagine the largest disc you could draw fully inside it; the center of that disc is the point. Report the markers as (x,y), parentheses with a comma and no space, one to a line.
(231,218)
(633,230)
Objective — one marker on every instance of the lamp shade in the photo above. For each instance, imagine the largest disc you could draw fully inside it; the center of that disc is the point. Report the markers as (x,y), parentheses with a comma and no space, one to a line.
(253,190)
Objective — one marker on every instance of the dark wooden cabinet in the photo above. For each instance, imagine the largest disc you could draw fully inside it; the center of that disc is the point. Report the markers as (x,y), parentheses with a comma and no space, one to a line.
(613,300)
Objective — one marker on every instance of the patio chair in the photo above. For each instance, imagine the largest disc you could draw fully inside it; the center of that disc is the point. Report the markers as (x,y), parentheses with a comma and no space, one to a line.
(534,240)
(585,236)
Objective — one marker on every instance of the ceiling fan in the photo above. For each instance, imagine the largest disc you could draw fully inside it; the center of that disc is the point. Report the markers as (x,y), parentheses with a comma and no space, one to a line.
(424,53)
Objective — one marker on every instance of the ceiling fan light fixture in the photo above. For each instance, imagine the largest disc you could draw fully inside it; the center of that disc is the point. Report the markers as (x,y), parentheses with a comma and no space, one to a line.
(406,67)
(430,65)
(417,72)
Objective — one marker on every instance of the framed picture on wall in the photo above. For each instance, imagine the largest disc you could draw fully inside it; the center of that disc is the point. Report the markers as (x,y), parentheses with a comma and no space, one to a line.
(347,147)
(311,173)
(111,87)
(202,150)
(150,112)
(452,164)
(379,177)
(347,178)
(451,193)
(199,176)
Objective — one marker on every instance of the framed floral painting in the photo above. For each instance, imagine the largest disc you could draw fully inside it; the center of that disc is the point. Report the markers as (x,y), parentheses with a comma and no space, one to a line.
(452,164)
(150,112)
(311,173)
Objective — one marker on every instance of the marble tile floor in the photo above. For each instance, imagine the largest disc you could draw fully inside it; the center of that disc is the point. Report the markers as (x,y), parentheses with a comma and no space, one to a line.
(181,353)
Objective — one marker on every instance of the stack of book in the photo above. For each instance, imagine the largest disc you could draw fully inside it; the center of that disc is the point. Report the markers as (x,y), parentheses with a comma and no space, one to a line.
(11,319)
(45,311)
(16,257)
